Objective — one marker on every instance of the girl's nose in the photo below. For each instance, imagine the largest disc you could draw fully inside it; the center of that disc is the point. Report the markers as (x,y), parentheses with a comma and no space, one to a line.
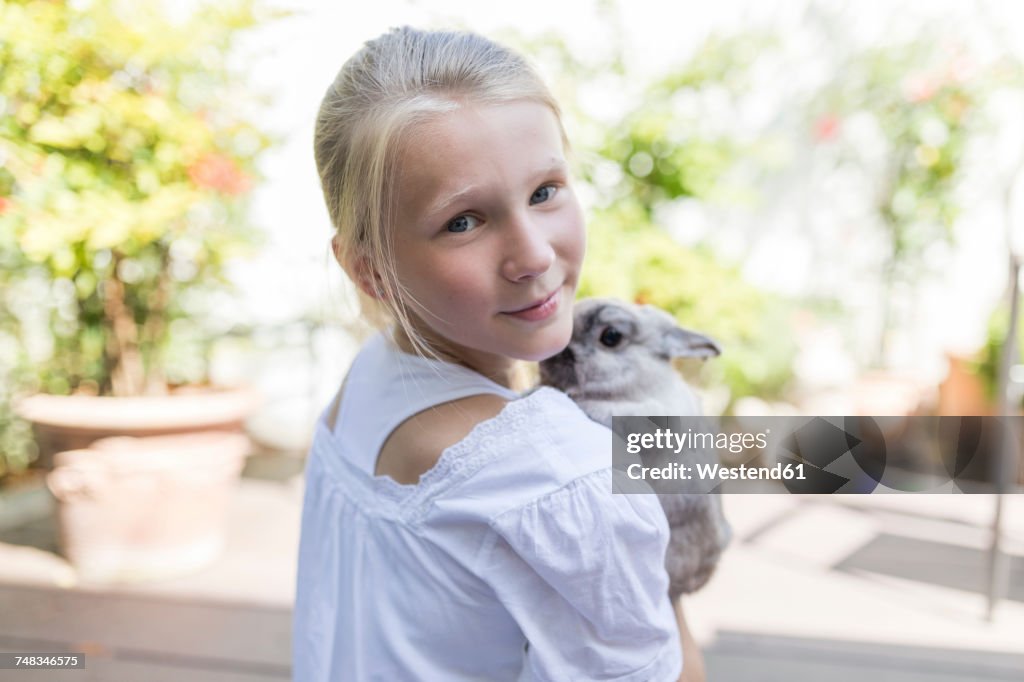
(528,250)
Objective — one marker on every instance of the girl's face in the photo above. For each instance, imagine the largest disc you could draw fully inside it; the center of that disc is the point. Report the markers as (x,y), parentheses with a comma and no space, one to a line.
(487,228)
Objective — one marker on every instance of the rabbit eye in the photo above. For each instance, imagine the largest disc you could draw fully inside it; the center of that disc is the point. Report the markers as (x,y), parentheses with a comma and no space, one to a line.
(611,337)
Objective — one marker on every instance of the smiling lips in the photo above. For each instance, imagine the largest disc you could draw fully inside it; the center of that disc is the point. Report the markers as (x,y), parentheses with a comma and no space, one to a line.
(539,311)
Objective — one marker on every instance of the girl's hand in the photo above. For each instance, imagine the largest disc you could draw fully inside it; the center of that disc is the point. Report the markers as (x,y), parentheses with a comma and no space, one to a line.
(693,660)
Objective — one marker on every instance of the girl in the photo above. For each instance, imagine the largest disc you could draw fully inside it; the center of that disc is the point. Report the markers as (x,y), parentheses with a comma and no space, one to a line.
(453,529)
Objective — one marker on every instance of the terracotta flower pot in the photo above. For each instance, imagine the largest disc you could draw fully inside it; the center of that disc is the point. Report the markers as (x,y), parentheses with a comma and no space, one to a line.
(74,422)
(962,391)
(132,509)
(142,484)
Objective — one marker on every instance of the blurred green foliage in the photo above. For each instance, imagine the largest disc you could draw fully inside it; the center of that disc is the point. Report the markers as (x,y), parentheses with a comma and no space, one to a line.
(987,362)
(630,258)
(17,445)
(663,152)
(662,144)
(922,101)
(924,105)
(126,153)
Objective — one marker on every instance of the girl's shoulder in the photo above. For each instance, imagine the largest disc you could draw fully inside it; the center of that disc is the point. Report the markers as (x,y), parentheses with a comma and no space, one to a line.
(535,445)
(416,445)
(551,422)
(515,452)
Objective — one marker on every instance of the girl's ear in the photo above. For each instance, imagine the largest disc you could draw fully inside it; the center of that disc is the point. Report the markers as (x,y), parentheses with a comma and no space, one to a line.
(336,250)
(360,270)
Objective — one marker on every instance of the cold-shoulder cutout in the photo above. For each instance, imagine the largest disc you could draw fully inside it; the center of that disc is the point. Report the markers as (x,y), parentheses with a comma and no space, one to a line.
(415,445)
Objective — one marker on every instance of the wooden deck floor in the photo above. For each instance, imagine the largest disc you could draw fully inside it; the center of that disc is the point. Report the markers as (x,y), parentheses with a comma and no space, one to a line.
(139,637)
(812,590)
(230,622)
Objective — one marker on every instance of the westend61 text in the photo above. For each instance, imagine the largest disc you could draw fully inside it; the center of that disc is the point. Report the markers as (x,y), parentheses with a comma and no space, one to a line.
(716,472)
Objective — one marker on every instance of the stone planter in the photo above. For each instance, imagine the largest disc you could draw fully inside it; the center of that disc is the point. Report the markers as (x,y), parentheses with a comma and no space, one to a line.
(131,509)
(73,422)
(142,484)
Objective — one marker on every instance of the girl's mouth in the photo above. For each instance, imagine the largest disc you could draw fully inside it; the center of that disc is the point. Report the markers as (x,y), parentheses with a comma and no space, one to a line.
(542,310)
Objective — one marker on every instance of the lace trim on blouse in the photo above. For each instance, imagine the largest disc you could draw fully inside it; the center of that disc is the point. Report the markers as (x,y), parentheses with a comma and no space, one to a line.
(487,440)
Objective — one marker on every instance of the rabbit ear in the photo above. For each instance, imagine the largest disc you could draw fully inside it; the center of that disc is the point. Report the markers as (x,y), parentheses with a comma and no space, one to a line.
(682,343)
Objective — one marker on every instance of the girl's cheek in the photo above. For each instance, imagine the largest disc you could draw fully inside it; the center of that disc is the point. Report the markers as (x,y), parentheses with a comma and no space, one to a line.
(576,237)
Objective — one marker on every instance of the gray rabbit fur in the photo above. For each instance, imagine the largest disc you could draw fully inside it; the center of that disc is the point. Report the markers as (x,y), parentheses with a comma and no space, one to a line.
(618,362)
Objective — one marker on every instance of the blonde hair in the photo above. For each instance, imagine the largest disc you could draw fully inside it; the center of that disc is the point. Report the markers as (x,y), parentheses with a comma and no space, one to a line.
(403,77)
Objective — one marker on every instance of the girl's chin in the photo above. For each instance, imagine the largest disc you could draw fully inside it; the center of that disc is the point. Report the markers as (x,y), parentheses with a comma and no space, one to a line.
(550,346)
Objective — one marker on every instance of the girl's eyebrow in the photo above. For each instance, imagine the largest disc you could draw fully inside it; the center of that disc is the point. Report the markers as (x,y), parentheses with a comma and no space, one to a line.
(443,204)
(555,165)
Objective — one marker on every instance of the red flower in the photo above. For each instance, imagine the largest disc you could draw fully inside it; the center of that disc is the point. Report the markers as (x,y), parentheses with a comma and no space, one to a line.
(920,88)
(219,173)
(5,205)
(826,128)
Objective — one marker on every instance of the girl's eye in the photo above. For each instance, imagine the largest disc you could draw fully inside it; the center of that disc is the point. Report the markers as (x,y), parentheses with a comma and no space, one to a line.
(543,194)
(464,223)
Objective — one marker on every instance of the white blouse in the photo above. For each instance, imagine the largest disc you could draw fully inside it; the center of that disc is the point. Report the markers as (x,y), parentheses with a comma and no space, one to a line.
(511,559)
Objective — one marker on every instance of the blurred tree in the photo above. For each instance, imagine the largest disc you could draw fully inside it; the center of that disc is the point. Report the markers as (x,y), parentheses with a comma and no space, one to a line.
(126,154)
(669,144)
(902,115)
(663,147)
(1004,349)
(629,257)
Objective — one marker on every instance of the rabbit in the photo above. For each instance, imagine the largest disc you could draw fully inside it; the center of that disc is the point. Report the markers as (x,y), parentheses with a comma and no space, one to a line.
(618,362)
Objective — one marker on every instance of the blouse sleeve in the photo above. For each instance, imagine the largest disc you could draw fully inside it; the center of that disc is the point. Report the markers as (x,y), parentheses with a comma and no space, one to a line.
(582,572)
